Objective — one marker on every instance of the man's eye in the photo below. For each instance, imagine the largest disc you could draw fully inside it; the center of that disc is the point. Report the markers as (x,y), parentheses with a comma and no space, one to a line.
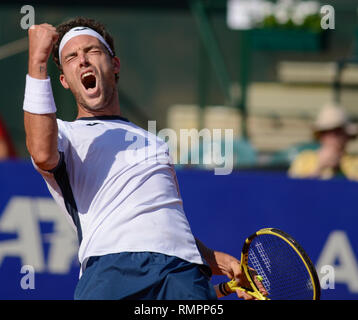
(70,58)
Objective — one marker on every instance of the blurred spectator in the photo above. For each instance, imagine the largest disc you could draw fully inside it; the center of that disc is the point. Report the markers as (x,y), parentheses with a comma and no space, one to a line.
(333,131)
(7,150)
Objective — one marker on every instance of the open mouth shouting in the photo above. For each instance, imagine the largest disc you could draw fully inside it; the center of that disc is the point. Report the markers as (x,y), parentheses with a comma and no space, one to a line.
(89,83)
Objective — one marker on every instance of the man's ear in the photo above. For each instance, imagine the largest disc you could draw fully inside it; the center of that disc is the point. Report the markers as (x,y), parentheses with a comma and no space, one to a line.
(63,81)
(116,64)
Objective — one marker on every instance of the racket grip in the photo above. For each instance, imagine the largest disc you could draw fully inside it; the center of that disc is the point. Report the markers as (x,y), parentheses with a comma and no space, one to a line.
(225,289)
(233,286)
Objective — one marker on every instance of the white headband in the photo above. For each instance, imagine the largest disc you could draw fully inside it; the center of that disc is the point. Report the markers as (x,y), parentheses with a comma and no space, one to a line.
(78,31)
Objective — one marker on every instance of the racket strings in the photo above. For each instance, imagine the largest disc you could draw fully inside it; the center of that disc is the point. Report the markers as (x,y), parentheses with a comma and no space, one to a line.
(284,274)
(258,270)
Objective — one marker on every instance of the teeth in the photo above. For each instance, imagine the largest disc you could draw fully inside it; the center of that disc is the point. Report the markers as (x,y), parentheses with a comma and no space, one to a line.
(87,74)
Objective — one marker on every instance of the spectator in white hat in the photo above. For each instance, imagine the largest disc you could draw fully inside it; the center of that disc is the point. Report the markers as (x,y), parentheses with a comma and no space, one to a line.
(333,130)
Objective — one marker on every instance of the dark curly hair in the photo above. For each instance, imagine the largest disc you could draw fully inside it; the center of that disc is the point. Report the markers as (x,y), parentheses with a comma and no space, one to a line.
(64,27)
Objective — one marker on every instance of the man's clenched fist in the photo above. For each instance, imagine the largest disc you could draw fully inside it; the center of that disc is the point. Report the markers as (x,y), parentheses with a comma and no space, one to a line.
(41,40)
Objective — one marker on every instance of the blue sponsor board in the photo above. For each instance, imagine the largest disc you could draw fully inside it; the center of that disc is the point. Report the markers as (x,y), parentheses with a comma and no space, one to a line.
(38,247)
(34,236)
(321,215)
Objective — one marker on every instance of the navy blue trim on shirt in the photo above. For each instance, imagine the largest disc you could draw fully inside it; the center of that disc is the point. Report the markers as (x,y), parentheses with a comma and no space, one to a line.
(61,177)
(113,117)
(58,164)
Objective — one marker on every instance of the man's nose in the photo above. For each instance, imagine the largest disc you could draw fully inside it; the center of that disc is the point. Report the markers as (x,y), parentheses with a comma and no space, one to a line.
(83,59)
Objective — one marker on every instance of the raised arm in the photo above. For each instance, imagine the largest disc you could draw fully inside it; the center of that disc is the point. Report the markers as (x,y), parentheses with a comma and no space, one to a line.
(39,107)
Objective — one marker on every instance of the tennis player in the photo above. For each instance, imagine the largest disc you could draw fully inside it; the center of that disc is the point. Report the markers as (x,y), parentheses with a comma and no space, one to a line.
(114,180)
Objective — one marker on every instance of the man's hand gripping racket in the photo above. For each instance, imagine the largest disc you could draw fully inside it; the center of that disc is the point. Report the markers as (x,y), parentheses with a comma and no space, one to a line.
(273,267)
(241,284)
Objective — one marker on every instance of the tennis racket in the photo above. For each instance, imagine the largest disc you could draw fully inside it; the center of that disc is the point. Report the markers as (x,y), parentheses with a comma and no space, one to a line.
(274,258)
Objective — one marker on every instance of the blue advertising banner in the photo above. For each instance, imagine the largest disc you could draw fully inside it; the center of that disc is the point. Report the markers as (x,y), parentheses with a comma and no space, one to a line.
(38,247)
(321,215)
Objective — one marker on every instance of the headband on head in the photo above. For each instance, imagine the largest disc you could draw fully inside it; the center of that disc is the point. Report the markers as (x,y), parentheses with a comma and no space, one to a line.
(78,31)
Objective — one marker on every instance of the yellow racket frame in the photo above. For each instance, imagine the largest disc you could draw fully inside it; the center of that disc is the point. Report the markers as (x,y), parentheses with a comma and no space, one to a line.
(232,285)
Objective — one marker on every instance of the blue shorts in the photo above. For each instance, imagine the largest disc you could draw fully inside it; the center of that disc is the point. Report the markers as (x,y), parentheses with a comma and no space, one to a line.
(143,275)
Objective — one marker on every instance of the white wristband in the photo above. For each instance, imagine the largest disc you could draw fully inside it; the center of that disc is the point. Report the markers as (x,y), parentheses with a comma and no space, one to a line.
(38,96)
